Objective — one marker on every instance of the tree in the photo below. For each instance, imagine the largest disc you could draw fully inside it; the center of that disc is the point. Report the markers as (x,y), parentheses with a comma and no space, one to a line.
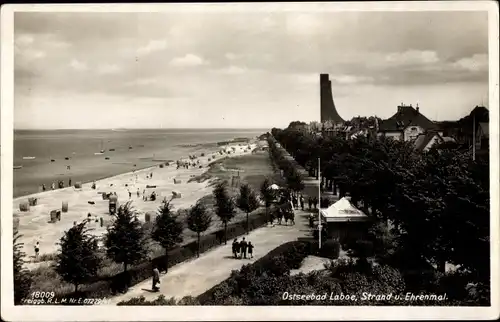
(224,205)
(247,201)
(267,195)
(198,220)
(22,277)
(78,260)
(167,230)
(125,239)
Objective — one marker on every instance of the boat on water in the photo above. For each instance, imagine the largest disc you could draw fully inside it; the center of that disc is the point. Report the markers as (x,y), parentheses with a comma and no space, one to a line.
(17,167)
(101,151)
(28,158)
(98,153)
(111,149)
(130,148)
(66,158)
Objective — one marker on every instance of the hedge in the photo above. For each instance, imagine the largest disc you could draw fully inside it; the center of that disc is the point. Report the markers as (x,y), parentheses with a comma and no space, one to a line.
(109,286)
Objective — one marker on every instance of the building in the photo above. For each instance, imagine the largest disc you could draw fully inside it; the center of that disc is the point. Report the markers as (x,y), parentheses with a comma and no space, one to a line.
(427,140)
(344,222)
(328,111)
(407,124)
(483,136)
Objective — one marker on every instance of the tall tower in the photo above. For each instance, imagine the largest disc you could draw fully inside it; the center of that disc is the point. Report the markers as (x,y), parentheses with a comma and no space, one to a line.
(328,110)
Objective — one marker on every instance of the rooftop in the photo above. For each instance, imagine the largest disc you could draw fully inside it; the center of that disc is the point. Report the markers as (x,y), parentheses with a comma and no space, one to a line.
(404,117)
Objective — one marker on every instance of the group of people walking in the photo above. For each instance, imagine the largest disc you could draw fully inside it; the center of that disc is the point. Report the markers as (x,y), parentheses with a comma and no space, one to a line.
(240,249)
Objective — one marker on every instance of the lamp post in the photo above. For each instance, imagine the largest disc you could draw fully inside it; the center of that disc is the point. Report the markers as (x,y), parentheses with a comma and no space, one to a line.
(319,203)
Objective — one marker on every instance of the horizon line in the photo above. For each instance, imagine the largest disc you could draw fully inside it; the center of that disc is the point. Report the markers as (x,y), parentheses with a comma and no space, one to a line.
(146,128)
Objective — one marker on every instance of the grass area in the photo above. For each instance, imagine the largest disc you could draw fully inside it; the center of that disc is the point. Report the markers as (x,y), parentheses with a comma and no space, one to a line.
(254,169)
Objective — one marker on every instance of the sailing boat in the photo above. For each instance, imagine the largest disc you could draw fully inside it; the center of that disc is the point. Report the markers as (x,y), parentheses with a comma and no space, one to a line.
(102,150)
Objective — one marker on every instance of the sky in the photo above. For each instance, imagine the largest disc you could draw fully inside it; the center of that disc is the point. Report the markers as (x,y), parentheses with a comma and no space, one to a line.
(242,69)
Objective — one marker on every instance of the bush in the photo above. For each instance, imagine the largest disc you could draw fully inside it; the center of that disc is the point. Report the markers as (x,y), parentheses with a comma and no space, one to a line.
(363,248)
(330,249)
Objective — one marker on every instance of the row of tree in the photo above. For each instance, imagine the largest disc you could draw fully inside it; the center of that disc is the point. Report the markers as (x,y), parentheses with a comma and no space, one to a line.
(126,241)
(436,202)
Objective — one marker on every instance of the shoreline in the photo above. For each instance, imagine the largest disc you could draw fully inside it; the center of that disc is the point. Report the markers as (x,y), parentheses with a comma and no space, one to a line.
(214,149)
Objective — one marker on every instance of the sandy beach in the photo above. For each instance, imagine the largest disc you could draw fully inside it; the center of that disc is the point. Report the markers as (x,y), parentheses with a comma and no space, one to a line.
(35,226)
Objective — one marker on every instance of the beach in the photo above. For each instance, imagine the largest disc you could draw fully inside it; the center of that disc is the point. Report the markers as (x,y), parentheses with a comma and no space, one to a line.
(47,156)
(34,224)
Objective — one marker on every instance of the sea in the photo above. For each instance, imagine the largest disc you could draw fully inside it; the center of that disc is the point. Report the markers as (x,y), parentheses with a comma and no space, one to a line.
(124,151)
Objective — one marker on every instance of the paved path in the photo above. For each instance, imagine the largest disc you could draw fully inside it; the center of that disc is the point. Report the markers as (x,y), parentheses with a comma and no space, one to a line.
(196,276)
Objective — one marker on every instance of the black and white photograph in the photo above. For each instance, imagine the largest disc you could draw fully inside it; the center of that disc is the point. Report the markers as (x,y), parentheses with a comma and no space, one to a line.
(195,161)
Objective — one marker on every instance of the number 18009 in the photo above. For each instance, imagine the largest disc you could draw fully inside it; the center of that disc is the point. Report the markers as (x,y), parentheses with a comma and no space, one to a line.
(42,295)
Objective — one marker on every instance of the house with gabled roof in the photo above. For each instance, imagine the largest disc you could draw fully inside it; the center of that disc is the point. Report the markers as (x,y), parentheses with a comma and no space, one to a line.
(431,138)
(407,124)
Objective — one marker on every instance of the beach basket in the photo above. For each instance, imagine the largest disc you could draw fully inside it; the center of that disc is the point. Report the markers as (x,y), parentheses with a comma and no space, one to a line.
(78,185)
(15,223)
(150,187)
(148,216)
(24,206)
(64,206)
(176,195)
(209,160)
(55,215)
(161,165)
(177,181)
(32,201)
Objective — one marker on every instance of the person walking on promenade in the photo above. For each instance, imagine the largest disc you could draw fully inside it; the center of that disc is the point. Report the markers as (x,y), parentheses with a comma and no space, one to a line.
(311,220)
(301,202)
(309,202)
(315,202)
(243,248)
(250,249)
(37,249)
(236,247)
(156,279)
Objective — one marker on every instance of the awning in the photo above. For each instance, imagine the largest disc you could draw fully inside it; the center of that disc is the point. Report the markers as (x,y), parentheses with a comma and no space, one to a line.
(343,211)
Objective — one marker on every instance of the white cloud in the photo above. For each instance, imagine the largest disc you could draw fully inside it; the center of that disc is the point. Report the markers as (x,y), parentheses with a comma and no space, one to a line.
(108,69)
(478,62)
(233,70)
(142,82)
(413,57)
(24,40)
(351,79)
(231,56)
(78,65)
(189,60)
(153,45)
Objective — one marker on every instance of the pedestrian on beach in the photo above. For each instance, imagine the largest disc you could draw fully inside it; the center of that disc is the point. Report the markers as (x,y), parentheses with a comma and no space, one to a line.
(151,175)
(236,247)
(69,182)
(156,278)
(43,187)
(53,186)
(129,194)
(250,249)
(138,193)
(243,248)
(37,249)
